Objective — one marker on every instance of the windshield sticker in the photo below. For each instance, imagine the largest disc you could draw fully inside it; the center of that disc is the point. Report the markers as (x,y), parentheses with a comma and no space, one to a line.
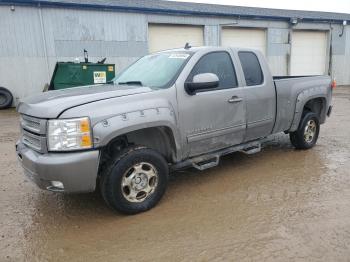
(179,56)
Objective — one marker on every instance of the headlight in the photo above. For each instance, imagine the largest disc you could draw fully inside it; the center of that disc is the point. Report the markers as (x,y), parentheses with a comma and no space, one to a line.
(69,134)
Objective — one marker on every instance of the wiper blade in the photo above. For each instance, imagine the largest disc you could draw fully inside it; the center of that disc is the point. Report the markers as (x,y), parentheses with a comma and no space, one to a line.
(131,83)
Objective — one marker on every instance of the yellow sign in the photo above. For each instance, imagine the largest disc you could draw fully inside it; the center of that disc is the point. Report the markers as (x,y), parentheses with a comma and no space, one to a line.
(99,77)
(110,68)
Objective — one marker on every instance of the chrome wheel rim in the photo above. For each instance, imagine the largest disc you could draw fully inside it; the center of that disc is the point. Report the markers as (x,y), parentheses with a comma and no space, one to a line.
(310,131)
(139,182)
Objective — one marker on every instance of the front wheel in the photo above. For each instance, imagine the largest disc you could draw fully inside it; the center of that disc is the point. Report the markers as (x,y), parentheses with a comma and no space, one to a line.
(306,135)
(135,180)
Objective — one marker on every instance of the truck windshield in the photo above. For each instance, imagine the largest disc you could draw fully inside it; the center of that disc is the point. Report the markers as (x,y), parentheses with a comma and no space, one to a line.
(155,70)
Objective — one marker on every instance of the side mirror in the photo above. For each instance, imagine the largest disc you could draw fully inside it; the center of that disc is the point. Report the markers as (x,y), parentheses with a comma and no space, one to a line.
(202,82)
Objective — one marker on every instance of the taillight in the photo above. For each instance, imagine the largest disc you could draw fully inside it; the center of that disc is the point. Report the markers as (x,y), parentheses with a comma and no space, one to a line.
(334,84)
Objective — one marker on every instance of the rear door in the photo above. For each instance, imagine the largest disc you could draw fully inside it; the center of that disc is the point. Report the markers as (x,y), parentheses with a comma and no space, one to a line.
(213,119)
(260,95)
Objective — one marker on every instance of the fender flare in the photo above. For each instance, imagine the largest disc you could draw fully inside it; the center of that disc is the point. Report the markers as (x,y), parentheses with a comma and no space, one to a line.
(108,129)
(302,99)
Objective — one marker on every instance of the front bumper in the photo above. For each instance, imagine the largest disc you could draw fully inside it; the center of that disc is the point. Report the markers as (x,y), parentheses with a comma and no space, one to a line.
(77,171)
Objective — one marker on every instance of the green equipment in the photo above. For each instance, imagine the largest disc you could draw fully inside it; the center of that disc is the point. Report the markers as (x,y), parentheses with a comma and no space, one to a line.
(70,74)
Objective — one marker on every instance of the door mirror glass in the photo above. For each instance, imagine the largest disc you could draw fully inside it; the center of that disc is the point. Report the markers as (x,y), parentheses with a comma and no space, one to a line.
(202,82)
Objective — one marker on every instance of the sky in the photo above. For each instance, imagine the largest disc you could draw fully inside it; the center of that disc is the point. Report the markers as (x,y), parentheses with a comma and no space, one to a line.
(339,6)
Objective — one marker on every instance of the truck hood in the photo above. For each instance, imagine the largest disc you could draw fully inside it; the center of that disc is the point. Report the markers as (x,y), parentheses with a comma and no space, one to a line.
(51,104)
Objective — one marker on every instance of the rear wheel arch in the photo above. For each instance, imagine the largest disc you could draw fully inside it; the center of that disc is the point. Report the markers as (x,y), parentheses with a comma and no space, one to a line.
(315,105)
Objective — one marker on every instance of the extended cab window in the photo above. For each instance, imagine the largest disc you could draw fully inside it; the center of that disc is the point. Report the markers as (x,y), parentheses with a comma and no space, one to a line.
(218,63)
(251,68)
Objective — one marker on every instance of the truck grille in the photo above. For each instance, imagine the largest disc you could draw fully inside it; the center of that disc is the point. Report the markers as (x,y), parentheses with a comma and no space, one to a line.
(35,125)
(32,124)
(32,141)
(33,133)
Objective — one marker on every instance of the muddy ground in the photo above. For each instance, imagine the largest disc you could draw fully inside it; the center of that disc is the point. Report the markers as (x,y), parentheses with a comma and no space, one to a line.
(278,205)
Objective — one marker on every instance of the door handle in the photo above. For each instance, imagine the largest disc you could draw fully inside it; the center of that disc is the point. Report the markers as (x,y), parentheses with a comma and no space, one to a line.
(235,99)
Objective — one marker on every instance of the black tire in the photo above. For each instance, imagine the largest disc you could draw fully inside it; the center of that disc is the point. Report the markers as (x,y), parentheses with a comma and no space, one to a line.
(298,139)
(113,174)
(6,98)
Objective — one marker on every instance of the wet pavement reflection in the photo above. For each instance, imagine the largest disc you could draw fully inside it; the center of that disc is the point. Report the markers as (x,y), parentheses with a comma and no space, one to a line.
(278,205)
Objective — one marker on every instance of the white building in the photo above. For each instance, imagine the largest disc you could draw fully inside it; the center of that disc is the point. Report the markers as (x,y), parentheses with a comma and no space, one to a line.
(35,34)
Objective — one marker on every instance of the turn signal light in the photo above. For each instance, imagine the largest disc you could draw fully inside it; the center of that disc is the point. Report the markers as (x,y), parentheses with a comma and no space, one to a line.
(84,125)
(85,141)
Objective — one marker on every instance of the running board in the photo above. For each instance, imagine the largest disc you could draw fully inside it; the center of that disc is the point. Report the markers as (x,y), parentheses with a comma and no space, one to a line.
(252,150)
(206,161)
(203,164)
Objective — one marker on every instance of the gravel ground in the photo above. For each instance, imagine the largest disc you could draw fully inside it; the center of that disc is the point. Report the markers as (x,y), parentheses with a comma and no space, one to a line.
(278,205)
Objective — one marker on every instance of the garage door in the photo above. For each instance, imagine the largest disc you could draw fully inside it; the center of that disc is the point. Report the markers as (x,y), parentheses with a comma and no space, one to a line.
(161,37)
(244,37)
(309,53)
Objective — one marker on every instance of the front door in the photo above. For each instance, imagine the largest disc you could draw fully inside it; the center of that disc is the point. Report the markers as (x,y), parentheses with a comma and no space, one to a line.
(213,119)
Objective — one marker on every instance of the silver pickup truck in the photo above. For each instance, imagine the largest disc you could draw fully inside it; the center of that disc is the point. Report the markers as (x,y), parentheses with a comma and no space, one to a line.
(169,110)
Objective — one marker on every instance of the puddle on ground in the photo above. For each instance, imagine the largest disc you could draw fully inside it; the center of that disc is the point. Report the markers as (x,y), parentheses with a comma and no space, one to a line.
(277,205)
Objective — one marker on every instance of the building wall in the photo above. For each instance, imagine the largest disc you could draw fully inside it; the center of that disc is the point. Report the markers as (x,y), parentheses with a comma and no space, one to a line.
(341,56)
(33,39)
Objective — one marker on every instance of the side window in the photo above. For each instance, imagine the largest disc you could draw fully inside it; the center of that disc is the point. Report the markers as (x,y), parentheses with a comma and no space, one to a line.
(218,63)
(251,68)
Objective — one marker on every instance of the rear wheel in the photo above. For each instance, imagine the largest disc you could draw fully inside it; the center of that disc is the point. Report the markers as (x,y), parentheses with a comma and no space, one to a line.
(306,135)
(5,98)
(135,180)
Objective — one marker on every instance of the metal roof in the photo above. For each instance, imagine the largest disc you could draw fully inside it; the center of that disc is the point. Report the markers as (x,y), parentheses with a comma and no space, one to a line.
(184,8)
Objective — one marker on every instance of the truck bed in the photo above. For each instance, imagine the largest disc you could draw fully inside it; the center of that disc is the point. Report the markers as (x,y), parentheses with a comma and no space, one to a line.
(289,94)
(291,77)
